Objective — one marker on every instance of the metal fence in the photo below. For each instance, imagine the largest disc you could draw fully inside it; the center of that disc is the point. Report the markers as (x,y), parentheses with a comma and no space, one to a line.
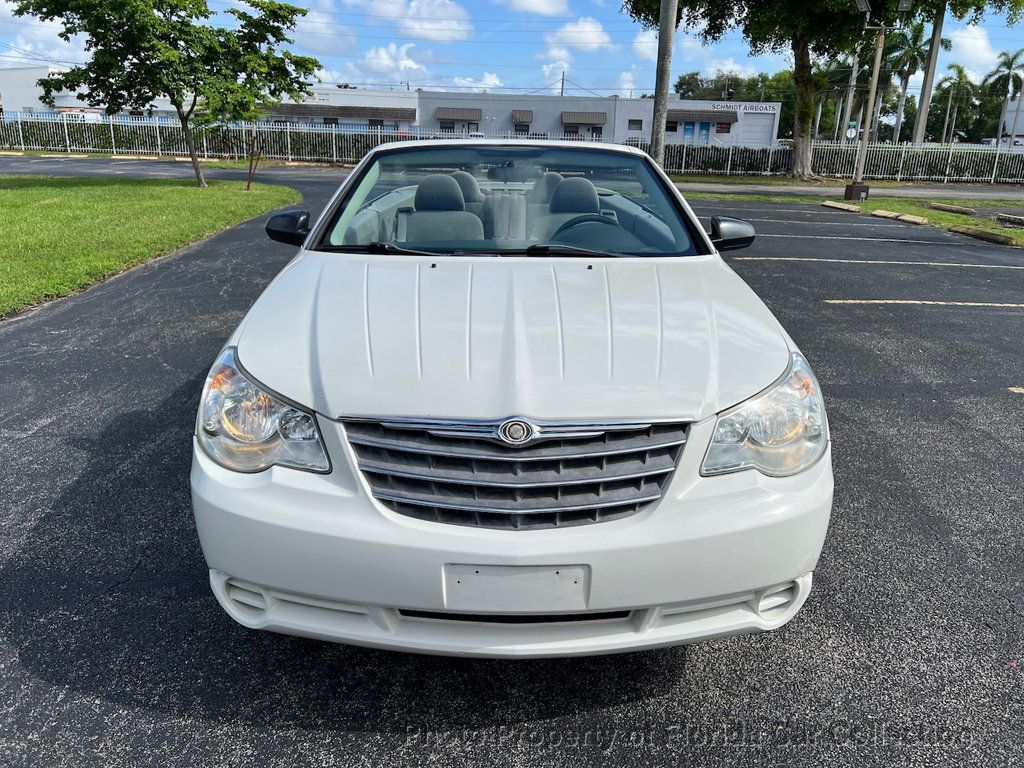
(343,144)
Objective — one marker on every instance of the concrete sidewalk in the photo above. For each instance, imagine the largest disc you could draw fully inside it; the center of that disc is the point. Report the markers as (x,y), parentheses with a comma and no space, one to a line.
(937,190)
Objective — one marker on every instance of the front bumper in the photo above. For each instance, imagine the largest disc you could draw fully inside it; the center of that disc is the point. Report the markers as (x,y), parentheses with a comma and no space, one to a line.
(317,556)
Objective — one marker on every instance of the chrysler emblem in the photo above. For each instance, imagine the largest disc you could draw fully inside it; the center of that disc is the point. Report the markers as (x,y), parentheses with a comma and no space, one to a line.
(515,431)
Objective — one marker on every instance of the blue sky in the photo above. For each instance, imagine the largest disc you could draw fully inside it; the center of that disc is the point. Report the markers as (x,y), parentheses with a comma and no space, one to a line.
(520,45)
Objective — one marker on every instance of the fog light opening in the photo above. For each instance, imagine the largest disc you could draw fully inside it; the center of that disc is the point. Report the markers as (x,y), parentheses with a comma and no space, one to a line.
(246,598)
(776,601)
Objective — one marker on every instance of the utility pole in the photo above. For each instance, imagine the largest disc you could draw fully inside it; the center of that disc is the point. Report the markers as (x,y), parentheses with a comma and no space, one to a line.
(666,31)
(561,91)
(921,123)
(848,106)
(858,188)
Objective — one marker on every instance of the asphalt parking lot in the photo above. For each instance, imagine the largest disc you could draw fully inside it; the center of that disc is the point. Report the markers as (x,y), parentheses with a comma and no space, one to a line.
(910,650)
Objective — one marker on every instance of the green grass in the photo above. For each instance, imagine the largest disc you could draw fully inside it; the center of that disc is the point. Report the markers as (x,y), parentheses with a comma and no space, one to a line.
(900,205)
(60,235)
(775,181)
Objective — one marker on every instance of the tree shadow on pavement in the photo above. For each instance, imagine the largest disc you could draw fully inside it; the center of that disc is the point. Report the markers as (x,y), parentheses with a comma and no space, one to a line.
(109,596)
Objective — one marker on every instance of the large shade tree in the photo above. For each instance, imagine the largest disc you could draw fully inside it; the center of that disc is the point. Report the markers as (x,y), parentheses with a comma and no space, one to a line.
(806,29)
(141,50)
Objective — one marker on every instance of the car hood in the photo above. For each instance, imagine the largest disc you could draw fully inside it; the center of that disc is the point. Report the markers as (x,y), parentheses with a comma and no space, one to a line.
(486,338)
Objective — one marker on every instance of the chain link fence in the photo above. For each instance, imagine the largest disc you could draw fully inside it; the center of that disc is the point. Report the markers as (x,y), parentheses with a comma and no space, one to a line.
(343,144)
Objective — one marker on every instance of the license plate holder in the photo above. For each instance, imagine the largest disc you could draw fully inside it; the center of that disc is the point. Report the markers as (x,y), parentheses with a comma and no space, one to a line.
(516,588)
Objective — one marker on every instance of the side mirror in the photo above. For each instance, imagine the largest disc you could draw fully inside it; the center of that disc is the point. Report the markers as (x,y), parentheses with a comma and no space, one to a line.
(289,227)
(728,234)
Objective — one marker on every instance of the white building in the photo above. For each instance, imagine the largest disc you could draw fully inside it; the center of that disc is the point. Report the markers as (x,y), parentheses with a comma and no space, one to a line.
(20,94)
(608,118)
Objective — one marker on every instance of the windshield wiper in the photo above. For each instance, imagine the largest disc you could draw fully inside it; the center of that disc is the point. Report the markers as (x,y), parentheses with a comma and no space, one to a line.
(548,249)
(379,247)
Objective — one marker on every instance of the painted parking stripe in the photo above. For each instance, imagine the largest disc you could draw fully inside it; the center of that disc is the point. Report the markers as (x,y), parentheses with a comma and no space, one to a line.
(928,303)
(828,223)
(878,261)
(850,237)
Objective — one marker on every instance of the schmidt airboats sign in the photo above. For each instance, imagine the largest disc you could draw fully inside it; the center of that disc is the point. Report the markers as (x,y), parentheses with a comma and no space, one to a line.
(732,106)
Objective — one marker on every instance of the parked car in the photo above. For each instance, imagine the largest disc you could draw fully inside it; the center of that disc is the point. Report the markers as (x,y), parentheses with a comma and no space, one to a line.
(509,400)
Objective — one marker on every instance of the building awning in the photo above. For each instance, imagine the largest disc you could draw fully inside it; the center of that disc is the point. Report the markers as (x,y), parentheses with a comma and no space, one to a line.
(522,115)
(584,118)
(703,115)
(342,112)
(459,113)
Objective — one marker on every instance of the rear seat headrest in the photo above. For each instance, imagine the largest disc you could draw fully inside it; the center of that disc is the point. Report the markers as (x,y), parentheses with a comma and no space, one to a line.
(544,187)
(439,192)
(576,195)
(470,189)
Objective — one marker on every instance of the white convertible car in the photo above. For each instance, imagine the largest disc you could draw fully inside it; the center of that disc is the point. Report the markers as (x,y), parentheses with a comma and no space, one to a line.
(508,400)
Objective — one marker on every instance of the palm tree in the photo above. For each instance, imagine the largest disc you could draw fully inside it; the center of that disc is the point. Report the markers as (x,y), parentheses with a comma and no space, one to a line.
(1007,77)
(959,90)
(911,46)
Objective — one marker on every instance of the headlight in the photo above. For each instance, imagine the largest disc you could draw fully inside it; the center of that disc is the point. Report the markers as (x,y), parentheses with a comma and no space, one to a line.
(244,428)
(779,432)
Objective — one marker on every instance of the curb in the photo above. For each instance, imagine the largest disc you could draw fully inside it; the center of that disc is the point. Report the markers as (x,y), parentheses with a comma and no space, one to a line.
(953,208)
(1009,218)
(883,214)
(841,206)
(912,219)
(981,234)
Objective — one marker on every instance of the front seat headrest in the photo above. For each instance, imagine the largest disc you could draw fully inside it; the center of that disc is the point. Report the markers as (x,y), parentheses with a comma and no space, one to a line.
(576,195)
(439,192)
(544,187)
(470,189)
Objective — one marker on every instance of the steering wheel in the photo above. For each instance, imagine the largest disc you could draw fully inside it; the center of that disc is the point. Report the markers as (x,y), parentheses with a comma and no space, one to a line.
(584,218)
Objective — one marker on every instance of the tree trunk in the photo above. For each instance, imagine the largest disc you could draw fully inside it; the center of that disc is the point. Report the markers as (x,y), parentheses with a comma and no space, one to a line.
(876,120)
(190,143)
(1002,118)
(255,152)
(803,79)
(904,85)
(835,128)
(666,30)
(817,118)
(945,123)
(850,90)
(929,76)
(1016,116)
(952,125)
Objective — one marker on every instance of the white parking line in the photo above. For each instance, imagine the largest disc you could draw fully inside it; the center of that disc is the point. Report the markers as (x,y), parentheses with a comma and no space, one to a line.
(926,302)
(847,237)
(878,261)
(829,223)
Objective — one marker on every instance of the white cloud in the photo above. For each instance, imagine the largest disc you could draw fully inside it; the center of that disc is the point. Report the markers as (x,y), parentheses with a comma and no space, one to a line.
(543,7)
(389,63)
(645,44)
(441,20)
(729,65)
(318,33)
(627,82)
(489,80)
(972,48)
(586,33)
(559,60)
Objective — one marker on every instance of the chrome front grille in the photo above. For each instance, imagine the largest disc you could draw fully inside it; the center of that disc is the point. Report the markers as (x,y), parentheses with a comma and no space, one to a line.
(567,474)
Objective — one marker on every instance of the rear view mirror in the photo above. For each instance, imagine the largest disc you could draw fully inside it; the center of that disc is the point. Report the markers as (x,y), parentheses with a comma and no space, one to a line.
(728,234)
(289,227)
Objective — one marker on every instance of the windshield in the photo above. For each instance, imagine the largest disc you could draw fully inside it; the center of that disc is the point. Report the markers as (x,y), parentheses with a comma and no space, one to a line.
(510,200)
